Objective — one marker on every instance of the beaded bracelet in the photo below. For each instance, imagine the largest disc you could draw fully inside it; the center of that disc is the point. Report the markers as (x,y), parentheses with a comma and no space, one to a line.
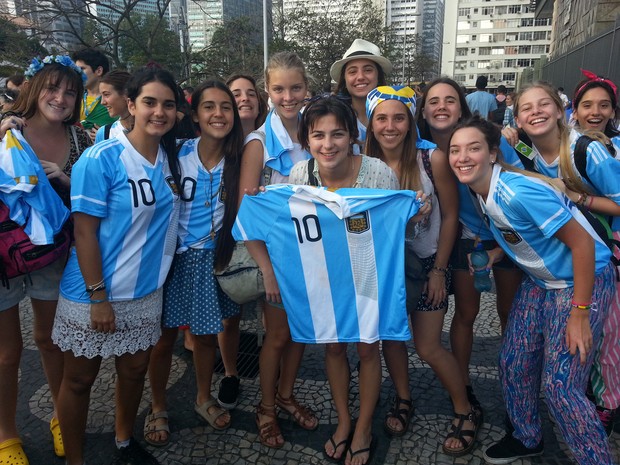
(581,306)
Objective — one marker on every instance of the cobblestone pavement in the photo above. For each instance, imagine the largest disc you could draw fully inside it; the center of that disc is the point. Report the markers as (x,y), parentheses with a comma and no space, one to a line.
(194,442)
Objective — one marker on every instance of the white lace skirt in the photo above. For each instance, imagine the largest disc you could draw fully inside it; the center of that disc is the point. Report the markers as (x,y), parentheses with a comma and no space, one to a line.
(138,327)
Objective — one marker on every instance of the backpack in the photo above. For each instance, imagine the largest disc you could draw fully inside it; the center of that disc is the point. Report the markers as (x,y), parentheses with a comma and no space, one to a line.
(19,256)
(599,223)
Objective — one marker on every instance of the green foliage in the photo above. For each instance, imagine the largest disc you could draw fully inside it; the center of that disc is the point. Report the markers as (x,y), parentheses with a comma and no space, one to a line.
(146,38)
(16,48)
(236,47)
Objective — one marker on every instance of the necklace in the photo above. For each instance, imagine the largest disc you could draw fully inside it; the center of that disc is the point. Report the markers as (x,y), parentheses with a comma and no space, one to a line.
(210,196)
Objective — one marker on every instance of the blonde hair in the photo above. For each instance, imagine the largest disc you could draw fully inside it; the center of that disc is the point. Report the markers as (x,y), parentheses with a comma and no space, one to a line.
(569,176)
(286,61)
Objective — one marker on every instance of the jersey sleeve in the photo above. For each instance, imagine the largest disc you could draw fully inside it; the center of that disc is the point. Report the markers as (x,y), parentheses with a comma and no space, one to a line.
(257,214)
(508,154)
(100,136)
(550,214)
(90,183)
(604,171)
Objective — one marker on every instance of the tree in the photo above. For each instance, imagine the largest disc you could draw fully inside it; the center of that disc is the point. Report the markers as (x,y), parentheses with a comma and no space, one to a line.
(16,48)
(410,64)
(146,38)
(235,47)
(103,24)
(320,36)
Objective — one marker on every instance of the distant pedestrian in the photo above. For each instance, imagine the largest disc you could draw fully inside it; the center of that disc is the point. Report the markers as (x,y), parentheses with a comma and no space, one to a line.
(481,101)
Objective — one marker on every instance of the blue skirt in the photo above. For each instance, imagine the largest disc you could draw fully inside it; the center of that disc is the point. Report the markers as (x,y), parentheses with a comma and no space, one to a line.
(193,297)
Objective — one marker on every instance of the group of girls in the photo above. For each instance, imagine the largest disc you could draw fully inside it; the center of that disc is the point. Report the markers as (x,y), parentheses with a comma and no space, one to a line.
(157,200)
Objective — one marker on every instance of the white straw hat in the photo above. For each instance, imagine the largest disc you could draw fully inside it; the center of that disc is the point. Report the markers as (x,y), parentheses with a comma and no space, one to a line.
(360,48)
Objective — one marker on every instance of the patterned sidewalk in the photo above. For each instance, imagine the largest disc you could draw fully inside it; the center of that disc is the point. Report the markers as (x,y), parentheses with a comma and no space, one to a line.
(194,442)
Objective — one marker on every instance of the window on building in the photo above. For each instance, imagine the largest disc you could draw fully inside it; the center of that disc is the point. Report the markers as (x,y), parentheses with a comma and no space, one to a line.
(539,49)
(523,49)
(511,50)
(460,78)
(486,24)
(461,52)
(472,51)
(501,10)
(497,51)
(487,10)
(514,9)
(462,39)
(539,35)
(462,25)
(524,62)
(509,76)
(542,21)
(499,37)
(484,64)
(484,51)
(509,63)
(463,11)
(525,35)
(526,22)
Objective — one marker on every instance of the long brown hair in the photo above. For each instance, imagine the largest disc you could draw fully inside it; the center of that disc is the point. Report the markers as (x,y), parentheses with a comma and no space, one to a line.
(409,177)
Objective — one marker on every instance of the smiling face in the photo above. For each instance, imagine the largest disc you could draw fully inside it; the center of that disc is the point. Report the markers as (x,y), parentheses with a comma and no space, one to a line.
(57,102)
(442,109)
(115,102)
(471,159)
(361,76)
(595,109)
(154,110)
(538,113)
(215,114)
(245,98)
(287,90)
(329,143)
(390,125)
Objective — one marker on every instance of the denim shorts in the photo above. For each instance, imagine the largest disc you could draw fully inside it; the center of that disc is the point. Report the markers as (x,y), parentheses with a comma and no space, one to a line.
(462,247)
(42,284)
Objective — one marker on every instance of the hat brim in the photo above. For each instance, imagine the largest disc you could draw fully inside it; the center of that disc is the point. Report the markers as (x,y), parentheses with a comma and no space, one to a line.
(336,68)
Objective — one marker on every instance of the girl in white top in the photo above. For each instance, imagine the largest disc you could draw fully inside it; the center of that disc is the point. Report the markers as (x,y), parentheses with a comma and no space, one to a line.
(268,157)
(112,90)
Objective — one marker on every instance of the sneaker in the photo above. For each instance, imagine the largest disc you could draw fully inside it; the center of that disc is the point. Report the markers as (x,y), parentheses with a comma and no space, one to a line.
(133,454)
(607,419)
(229,392)
(510,449)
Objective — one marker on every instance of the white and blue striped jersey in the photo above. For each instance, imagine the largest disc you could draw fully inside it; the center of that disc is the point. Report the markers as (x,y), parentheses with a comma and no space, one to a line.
(526,234)
(202,208)
(338,258)
(138,204)
(26,191)
(469,216)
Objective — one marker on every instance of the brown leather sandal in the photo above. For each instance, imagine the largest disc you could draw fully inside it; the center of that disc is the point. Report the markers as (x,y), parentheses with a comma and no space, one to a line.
(268,430)
(301,414)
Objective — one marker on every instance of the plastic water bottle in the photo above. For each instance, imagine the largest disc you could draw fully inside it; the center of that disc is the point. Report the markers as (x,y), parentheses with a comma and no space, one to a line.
(479,260)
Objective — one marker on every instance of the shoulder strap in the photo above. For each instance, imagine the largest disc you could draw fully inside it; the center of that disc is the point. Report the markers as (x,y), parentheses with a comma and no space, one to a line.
(312,180)
(426,161)
(106,131)
(580,156)
(74,135)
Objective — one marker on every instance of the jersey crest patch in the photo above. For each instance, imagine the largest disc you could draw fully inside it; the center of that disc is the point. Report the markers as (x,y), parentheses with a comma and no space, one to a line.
(511,236)
(359,223)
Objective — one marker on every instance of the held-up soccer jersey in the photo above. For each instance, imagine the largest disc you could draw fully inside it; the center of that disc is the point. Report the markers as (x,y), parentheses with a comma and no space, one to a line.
(524,214)
(26,191)
(138,205)
(338,258)
(202,206)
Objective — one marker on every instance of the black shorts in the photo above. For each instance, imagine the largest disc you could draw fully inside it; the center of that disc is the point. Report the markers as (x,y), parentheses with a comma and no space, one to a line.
(463,247)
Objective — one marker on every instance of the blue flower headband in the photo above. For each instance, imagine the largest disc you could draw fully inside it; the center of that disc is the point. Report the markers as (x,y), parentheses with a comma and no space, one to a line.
(37,65)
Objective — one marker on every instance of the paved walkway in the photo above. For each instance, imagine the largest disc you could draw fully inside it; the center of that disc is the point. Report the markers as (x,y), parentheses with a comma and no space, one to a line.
(193,442)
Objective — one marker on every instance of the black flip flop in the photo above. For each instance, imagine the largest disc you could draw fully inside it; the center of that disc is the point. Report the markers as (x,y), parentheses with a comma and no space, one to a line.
(344,442)
(370,449)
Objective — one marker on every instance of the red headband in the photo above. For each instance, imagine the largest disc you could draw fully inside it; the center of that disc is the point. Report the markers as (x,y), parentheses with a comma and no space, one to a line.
(594,78)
